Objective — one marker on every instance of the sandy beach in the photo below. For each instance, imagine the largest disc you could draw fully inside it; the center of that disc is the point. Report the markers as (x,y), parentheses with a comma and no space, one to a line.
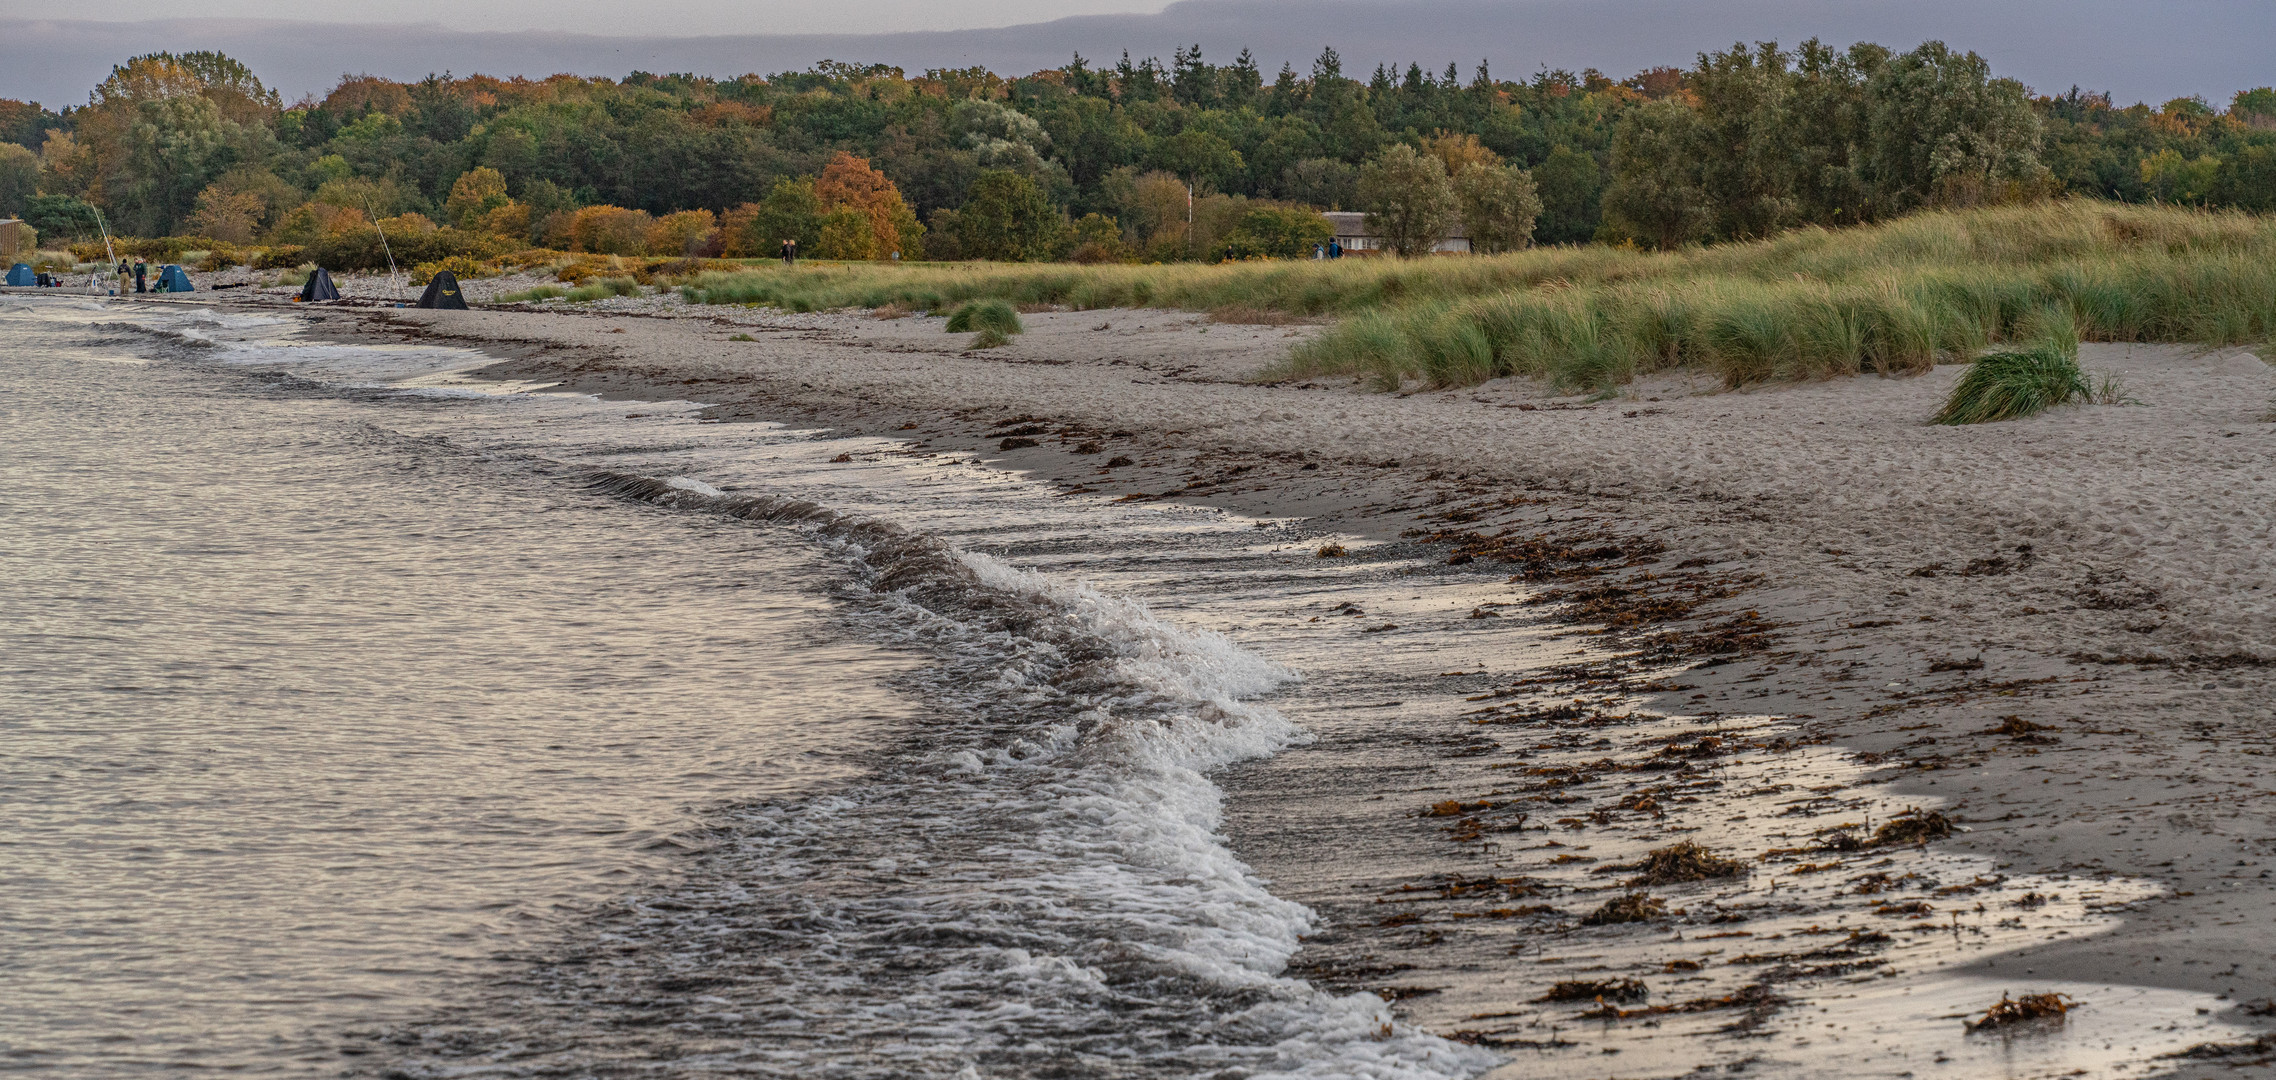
(2059,629)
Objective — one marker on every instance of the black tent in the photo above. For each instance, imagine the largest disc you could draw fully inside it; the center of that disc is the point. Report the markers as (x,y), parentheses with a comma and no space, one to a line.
(442,292)
(319,287)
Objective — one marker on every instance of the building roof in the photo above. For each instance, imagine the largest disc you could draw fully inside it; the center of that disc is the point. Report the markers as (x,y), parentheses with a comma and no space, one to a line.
(1354,223)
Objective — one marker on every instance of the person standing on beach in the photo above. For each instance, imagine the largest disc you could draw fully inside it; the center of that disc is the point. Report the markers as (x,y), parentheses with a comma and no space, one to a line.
(141,279)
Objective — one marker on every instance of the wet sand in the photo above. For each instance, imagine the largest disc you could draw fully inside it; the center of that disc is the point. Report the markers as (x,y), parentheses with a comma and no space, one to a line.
(2055,631)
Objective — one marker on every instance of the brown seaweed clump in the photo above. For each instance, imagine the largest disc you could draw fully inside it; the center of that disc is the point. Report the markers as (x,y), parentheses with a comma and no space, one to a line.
(2021,1010)
(1597,990)
(1686,861)
(1634,907)
(1913,827)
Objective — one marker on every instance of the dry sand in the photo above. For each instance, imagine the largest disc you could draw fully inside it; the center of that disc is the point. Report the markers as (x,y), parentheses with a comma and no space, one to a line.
(2104,572)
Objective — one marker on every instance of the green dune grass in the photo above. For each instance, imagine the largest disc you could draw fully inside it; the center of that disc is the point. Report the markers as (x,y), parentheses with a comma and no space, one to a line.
(1897,297)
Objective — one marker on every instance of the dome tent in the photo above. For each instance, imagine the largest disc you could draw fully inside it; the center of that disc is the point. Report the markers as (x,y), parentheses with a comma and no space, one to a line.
(319,287)
(172,279)
(443,292)
(21,274)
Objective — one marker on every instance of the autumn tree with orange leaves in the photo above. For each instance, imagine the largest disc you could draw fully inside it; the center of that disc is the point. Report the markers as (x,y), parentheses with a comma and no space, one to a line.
(854,194)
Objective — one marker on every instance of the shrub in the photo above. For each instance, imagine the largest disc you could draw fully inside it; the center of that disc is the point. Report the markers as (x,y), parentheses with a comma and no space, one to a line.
(459,266)
(222,257)
(281,257)
(985,316)
(1276,232)
(609,230)
(687,233)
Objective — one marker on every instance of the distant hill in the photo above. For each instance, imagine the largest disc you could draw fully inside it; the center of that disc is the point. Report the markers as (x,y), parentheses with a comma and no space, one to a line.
(2136,51)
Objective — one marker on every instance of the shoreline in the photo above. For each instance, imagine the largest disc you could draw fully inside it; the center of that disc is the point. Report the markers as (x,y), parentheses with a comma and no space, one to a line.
(1902,622)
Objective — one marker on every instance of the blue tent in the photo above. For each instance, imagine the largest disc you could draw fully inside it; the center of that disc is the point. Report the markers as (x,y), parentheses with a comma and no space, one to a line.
(172,279)
(20,274)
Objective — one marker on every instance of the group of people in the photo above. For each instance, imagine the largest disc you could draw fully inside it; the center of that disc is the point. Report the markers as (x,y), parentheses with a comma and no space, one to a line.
(1330,250)
(141,275)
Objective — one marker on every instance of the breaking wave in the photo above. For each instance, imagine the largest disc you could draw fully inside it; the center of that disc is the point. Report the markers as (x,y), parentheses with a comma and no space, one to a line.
(1031,884)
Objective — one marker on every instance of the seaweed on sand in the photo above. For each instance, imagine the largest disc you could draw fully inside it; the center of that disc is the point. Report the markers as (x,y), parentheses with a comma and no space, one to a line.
(1913,827)
(2029,1007)
(1683,862)
(1634,907)
(1597,990)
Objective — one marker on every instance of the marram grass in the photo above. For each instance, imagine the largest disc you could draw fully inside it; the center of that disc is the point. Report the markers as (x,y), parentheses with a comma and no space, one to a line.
(2010,384)
(987,317)
(1891,298)
(2024,380)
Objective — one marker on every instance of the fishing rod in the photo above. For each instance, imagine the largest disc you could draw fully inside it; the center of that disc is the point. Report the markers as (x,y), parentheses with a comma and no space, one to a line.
(110,254)
(382,243)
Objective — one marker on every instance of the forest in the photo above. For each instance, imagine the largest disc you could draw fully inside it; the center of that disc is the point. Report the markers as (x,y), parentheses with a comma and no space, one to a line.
(1130,162)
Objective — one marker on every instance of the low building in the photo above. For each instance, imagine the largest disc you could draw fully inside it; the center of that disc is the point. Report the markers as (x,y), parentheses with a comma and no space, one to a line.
(1352,232)
(17,239)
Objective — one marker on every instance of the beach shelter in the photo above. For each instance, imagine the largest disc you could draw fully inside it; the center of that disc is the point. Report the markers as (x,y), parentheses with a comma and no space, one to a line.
(172,279)
(20,274)
(319,287)
(443,292)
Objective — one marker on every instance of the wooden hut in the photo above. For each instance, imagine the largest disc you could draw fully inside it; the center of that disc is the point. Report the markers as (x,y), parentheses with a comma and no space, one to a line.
(17,240)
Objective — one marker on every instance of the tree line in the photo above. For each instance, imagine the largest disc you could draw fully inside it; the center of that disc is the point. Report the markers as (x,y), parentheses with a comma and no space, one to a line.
(1134,160)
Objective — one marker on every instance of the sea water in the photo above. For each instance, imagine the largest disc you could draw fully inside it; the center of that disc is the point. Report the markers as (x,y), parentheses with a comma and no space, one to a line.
(361,717)
(358,717)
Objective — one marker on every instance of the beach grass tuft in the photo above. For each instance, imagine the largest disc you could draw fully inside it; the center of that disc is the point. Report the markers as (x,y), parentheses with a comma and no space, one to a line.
(995,317)
(603,288)
(2012,383)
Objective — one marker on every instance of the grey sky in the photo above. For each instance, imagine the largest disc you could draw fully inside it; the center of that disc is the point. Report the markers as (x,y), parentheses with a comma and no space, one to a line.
(2135,50)
(679,18)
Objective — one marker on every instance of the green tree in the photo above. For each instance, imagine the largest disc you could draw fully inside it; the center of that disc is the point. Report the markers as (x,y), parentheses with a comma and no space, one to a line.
(1322,182)
(2247,179)
(1740,142)
(1943,132)
(172,150)
(1656,195)
(476,192)
(1825,125)
(2255,106)
(1006,218)
(1571,187)
(789,212)
(60,216)
(1409,200)
(2172,178)
(19,179)
(1498,205)
(1200,157)
(1275,232)
(845,233)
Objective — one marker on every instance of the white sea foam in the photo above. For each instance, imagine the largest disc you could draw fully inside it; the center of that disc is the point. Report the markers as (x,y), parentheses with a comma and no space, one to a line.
(1036,883)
